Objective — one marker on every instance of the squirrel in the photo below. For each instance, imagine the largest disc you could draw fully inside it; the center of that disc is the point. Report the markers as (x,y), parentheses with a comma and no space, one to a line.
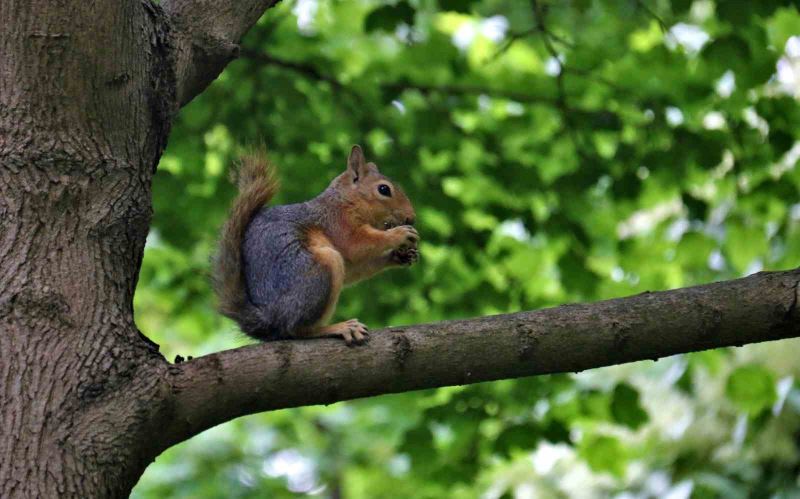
(279,270)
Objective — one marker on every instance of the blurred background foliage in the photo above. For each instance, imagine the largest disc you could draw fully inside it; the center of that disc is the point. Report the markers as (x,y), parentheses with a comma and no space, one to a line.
(556,151)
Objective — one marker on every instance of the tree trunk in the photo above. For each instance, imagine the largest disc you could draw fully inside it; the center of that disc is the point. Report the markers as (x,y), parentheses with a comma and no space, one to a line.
(87,93)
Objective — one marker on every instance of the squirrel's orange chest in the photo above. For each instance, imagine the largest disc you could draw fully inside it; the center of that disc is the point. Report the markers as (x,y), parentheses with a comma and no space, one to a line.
(361,257)
(326,254)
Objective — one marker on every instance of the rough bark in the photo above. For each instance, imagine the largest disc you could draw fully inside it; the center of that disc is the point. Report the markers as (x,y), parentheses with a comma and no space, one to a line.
(86,90)
(206,34)
(87,93)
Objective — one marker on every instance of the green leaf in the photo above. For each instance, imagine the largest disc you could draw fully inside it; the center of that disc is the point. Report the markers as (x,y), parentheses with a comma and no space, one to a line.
(744,244)
(517,437)
(604,453)
(556,432)
(418,443)
(625,407)
(388,17)
(751,389)
(784,24)
(463,6)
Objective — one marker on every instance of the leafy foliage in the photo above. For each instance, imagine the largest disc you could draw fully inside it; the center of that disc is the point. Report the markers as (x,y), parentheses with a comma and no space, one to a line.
(556,152)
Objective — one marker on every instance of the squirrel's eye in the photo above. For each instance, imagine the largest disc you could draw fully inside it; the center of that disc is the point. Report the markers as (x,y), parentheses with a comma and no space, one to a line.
(384,190)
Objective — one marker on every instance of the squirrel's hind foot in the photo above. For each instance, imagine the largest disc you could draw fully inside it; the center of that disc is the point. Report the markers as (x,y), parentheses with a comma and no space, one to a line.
(351,331)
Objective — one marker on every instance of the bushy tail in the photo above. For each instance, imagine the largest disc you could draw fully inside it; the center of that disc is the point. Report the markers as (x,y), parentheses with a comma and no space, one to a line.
(257,184)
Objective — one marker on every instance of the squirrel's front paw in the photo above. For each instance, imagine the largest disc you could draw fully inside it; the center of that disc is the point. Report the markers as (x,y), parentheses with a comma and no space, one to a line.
(405,236)
(405,256)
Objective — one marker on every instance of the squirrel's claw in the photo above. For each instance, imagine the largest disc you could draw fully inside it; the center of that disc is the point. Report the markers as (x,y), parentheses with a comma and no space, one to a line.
(354,332)
(406,236)
(405,256)
(412,236)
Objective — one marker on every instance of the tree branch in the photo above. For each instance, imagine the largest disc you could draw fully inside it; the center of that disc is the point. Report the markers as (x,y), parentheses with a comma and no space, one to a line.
(302,68)
(312,72)
(216,388)
(539,14)
(206,35)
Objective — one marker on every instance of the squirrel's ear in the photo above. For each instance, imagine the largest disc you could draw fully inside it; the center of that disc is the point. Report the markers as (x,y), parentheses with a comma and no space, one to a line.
(356,164)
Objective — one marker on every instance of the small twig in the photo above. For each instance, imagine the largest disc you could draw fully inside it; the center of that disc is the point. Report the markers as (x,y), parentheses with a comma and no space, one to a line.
(654,15)
(509,41)
(556,38)
(561,100)
(467,90)
(661,23)
(312,72)
(515,37)
(589,74)
(303,68)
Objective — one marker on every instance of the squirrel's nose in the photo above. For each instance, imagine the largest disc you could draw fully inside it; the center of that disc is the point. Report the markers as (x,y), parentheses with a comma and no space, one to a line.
(409,221)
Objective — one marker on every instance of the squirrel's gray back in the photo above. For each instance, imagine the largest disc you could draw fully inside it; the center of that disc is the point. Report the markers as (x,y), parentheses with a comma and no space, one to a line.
(283,279)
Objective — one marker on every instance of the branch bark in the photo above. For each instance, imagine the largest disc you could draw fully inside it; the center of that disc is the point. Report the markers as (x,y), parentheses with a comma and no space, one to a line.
(207,35)
(216,388)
